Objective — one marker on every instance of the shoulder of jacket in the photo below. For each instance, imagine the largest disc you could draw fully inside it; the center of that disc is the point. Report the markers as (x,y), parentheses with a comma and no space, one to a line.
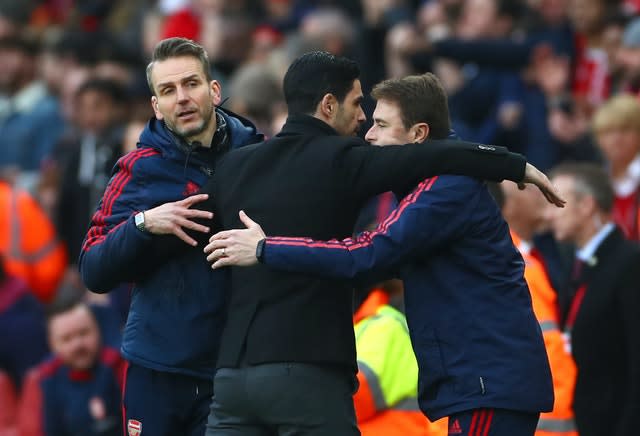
(49,368)
(145,157)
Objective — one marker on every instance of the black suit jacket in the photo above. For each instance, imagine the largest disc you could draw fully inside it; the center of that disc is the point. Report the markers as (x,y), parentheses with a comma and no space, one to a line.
(606,342)
(309,181)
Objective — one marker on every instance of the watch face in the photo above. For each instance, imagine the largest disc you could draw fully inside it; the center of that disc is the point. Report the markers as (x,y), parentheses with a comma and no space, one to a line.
(139,219)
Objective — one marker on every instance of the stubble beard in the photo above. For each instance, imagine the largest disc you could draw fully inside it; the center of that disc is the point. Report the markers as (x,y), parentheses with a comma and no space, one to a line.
(189,134)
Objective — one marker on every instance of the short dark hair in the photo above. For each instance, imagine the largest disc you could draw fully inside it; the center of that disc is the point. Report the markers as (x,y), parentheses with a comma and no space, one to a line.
(23,44)
(421,98)
(510,8)
(111,88)
(315,74)
(590,179)
(178,47)
(63,305)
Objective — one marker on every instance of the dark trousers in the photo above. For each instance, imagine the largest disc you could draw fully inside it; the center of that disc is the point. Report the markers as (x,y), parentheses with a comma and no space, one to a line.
(165,404)
(284,399)
(493,422)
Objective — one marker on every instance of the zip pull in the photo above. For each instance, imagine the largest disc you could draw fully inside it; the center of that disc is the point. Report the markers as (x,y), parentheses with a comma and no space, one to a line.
(482,390)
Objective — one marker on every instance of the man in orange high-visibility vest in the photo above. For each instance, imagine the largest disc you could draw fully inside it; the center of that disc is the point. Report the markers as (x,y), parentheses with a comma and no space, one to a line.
(28,243)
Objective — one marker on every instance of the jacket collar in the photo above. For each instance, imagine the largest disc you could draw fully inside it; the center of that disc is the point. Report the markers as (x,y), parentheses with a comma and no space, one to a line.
(303,124)
(240,131)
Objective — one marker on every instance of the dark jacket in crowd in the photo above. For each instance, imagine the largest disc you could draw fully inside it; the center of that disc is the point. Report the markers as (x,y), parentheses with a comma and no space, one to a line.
(83,403)
(605,341)
(23,334)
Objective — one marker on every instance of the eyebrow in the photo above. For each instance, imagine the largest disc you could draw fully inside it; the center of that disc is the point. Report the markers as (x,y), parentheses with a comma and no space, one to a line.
(184,79)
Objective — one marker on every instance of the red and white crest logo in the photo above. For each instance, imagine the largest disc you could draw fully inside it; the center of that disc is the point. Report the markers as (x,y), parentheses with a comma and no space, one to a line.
(134,427)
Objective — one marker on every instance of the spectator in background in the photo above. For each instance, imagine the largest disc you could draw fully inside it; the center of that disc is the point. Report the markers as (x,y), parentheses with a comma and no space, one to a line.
(485,100)
(255,92)
(600,305)
(30,119)
(85,157)
(78,391)
(627,59)
(524,212)
(616,125)
(29,243)
(23,341)
(591,84)
(225,36)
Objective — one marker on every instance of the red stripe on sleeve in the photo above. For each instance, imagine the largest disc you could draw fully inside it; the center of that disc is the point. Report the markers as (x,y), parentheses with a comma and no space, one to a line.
(114,190)
(365,238)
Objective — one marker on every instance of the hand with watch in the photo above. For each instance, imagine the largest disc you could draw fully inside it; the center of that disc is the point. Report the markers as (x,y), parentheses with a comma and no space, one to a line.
(174,218)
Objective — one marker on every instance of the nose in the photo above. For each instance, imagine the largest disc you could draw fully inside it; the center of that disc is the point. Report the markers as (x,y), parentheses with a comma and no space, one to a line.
(361,116)
(182,94)
(371,134)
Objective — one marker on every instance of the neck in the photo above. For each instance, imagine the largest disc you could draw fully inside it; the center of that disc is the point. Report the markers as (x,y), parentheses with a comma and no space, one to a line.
(590,228)
(205,138)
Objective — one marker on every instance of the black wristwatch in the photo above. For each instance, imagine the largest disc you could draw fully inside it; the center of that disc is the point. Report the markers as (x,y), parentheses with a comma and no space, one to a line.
(260,249)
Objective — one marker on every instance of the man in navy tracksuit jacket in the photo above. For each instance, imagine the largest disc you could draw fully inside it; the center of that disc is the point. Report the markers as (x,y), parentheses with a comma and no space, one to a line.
(177,303)
(81,385)
(480,351)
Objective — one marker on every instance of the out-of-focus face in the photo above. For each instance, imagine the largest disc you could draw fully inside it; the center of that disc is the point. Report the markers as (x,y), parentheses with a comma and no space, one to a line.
(586,15)
(478,18)
(183,98)
(11,68)
(388,128)
(74,337)
(619,145)
(566,222)
(523,207)
(96,111)
(553,11)
(628,60)
(350,116)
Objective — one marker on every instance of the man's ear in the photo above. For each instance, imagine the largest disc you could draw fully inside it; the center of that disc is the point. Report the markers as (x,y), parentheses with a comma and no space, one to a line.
(154,106)
(216,92)
(327,107)
(420,132)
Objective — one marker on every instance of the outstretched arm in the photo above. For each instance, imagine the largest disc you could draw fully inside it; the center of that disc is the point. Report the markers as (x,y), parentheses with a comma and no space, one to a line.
(424,219)
(369,171)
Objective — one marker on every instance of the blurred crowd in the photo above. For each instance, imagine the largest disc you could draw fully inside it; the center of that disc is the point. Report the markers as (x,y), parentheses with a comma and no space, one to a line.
(555,80)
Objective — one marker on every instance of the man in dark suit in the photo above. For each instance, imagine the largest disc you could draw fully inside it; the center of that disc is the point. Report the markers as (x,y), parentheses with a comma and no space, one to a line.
(287,355)
(600,308)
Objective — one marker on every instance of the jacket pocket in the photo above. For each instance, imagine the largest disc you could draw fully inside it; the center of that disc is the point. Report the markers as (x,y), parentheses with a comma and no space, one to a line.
(430,359)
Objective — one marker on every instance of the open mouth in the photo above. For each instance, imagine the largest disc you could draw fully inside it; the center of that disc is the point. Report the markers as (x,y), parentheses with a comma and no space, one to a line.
(186,114)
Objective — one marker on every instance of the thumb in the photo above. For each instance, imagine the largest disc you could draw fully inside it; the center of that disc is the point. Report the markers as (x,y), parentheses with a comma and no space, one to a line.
(246,220)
